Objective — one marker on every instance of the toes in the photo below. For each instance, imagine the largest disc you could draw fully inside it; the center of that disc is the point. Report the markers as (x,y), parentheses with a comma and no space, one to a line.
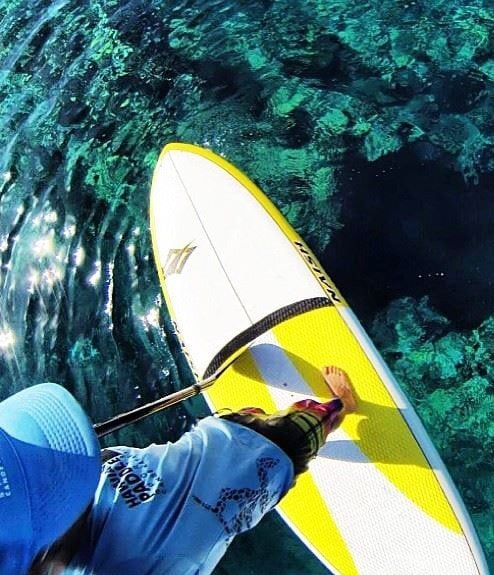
(334,370)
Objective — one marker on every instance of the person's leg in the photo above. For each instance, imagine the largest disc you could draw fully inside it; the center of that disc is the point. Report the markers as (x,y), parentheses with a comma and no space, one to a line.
(301,429)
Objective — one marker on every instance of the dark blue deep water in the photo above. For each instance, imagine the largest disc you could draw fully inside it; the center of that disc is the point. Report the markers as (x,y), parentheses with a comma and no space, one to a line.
(370,124)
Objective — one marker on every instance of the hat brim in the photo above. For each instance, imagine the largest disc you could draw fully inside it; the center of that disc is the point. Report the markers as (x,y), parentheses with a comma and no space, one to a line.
(57,453)
(47,415)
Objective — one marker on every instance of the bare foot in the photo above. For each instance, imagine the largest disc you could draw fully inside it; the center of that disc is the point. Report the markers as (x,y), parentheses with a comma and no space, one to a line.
(339,383)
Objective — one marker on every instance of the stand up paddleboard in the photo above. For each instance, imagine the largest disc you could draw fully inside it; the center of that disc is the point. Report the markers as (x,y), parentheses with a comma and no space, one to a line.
(377,500)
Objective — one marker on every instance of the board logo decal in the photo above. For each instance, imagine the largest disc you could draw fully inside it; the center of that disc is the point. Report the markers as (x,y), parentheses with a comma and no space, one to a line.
(177,258)
(318,272)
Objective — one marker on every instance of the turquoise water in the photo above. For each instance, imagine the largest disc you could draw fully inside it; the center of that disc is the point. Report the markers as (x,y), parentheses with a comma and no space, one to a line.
(370,124)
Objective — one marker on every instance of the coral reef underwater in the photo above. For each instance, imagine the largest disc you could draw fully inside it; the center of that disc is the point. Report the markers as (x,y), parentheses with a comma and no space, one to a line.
(350,115)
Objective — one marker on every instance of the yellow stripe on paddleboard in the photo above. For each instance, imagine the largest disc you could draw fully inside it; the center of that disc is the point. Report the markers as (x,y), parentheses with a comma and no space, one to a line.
(378,427)
(303,507)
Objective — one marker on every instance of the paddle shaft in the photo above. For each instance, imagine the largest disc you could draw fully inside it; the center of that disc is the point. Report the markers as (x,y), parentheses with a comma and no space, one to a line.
(220,363)
(124,419)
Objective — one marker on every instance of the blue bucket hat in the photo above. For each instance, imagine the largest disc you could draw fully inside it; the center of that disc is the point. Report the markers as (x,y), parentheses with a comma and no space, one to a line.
(49,469)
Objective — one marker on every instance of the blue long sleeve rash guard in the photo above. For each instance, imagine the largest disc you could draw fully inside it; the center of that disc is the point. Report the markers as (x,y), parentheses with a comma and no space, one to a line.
(173,509)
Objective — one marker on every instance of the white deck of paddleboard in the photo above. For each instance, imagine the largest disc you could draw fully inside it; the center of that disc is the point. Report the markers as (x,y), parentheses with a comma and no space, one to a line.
(231,287)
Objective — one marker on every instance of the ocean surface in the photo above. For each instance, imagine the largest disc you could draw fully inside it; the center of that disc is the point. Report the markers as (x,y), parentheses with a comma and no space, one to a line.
(370,124)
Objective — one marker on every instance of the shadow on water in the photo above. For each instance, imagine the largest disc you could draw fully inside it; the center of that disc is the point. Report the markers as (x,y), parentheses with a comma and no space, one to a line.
(413,227)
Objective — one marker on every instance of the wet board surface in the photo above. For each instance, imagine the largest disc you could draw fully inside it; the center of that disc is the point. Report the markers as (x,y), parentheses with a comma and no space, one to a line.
(377,499)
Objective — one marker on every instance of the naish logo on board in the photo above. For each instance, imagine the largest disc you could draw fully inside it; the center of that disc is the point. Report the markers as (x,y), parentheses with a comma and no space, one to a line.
(176,259)
(318,272)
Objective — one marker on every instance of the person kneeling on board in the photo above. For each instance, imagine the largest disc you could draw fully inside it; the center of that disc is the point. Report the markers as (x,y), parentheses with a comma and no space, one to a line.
(171,508)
